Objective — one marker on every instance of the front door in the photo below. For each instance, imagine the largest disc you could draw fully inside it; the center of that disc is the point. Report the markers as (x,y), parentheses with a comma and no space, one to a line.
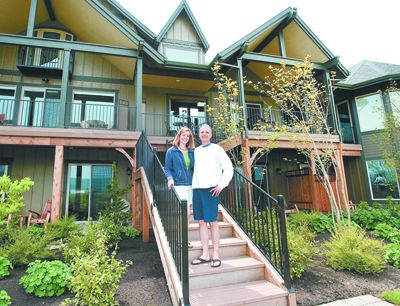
(187,112)
(87,190)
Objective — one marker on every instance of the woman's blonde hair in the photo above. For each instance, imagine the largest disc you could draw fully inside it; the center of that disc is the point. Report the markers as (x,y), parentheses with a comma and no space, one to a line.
(190,143)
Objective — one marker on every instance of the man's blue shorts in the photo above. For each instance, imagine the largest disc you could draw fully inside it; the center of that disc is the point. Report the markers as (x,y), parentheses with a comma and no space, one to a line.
(205,206)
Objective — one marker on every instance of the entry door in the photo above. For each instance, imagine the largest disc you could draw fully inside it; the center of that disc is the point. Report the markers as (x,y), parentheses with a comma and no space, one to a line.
(87,190)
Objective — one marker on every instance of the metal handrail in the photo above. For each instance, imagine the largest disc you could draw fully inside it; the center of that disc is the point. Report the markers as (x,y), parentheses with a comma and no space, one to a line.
(262,218)
(172,211)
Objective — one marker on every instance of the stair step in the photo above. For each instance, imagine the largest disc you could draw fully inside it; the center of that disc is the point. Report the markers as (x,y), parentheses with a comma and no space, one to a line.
(251,293)
(225,231)
(232,270)
(228,247)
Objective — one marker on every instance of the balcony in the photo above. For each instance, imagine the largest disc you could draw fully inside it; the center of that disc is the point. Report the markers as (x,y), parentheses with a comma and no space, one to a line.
(44,62)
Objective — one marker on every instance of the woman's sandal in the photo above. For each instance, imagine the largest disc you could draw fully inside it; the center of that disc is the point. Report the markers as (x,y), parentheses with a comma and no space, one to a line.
(190,246)
(199,261)
(215,263)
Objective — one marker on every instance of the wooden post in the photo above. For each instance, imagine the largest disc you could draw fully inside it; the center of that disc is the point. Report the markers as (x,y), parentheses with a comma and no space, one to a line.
(56,197)
(246,159)
(133,189)
(346,194)
(145,218)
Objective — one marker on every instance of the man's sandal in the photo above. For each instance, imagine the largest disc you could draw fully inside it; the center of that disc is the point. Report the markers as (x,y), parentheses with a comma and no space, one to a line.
(199,261)
(215,263)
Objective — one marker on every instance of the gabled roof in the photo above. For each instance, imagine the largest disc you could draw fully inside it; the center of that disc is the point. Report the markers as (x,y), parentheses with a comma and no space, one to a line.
(283,19)
(183,8)
(367,73)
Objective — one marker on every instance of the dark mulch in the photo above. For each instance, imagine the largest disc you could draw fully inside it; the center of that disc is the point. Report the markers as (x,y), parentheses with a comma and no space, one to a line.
(143,285)
(321,284)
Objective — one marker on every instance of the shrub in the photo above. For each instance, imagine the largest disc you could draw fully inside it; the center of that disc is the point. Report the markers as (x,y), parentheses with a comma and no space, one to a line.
(392,296)
(369,216)
(5,267)
(392,254)
(27,247)
(350,249)
(5,299)
(314,221)
(63,229)
(387,232)
(301,251)
(95,273)
(47,278)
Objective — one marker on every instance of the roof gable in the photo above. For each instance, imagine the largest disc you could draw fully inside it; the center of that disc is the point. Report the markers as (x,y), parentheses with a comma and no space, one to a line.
(183,11)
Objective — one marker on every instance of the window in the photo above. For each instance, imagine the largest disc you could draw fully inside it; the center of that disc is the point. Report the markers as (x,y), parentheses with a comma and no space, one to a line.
(394,97)
(382,180)
(190,112)
(7,100)
(254,114)
(87,190)
(3,168)
(345,121)
(180,53)
(93,110)
(370,112)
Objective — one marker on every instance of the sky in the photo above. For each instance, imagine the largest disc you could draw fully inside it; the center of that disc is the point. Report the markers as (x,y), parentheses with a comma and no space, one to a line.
(354,30)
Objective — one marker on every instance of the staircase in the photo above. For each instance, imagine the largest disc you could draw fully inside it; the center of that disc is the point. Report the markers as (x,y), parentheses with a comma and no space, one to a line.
(244,278)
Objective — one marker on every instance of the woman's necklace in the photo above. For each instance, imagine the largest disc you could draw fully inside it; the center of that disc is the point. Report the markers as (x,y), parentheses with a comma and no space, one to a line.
(183,149)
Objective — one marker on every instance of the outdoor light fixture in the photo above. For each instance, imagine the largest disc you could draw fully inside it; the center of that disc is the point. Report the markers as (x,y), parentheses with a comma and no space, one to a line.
(129,172)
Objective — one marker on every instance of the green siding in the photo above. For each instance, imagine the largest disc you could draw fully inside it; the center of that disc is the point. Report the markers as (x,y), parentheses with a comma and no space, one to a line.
(356,187)
(372,145)
(183,30)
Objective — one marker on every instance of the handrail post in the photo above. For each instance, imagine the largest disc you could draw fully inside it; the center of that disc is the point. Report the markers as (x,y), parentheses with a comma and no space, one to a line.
(285,249)
(185,253)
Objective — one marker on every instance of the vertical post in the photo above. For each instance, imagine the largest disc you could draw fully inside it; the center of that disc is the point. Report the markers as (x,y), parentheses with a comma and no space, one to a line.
(242,99)
(138,93)
(57,184)
(64,87)
(331,101)
(133,186)
(281,41)
(185,254)
(285,250)
(145,218)
(32,18)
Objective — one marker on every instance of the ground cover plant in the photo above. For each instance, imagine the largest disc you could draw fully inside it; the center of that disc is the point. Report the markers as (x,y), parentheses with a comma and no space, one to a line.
(46,278)
(392,296)
(5,299)
(5,267)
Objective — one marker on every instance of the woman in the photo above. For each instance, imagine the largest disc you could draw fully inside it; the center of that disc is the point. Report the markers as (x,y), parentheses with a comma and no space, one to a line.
(179,165)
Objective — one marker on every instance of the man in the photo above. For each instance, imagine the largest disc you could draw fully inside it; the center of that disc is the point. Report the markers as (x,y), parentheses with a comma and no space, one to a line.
(212,172)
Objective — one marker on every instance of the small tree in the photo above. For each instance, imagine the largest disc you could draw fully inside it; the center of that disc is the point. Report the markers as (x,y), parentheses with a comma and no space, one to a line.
(11,199)
(297,93)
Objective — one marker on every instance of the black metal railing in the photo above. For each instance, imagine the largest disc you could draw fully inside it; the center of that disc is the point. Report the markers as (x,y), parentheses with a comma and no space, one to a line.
(262,218)
(47,58)
(172,211)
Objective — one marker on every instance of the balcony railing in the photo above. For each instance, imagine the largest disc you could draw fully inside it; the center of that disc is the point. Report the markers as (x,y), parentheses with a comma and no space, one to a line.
(47,61)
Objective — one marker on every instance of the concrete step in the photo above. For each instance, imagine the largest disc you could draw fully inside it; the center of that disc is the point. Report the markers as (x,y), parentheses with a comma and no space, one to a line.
(225,231)
(232,270)
(228,248)
(250,293)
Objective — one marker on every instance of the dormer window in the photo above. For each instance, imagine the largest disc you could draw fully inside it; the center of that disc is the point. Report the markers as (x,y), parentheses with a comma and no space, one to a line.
(53,34)
(181,53)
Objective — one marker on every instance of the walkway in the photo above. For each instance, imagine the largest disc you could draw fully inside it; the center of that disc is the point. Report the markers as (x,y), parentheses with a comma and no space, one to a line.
(360,301)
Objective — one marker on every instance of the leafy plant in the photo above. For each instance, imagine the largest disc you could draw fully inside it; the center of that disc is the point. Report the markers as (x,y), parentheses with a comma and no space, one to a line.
(387,232)
(5,299)
(5,267)
(392,296)
(350,249)
(63,229)
(369,216)
(315,221)
(14,201)
(392,254)
(95,272)
(301,251)
(26,247)
(46,278)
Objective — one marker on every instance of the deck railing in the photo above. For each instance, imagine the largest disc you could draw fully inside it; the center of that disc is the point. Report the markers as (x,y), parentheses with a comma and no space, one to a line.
(172,211)
(262,218)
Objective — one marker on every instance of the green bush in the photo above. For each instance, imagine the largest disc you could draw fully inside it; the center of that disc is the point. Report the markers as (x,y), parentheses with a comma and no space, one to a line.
(46,278)
(27,247)
(387,232)
(392,296)
(369,216)
(301,250)
(5,267)
(314,221)
(95,273)
(5,299)
(63,229)
(392,254)
(350,249)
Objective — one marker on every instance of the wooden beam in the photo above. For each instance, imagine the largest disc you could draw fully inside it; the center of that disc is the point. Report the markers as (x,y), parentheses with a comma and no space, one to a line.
(56,197)
(122,151)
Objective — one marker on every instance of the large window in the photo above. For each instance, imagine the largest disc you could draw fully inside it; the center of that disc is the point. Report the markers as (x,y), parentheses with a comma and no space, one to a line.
(190,112)
(370,112)
(7,96)
(382,180)
(93,110)
(87,190)
(181,53)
